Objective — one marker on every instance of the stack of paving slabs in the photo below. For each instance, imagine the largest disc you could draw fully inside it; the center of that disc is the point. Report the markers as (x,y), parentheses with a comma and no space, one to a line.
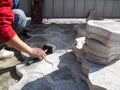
(77,48)
(102,41)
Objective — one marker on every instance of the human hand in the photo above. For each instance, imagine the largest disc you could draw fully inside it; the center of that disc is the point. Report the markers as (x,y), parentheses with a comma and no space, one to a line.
(38,53)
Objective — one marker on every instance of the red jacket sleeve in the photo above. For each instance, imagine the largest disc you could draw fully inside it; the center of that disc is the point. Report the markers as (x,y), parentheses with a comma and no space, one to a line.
(6,20)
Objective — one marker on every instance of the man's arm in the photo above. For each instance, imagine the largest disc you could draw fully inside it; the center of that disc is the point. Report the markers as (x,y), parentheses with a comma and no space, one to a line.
(9,36)
(18,44)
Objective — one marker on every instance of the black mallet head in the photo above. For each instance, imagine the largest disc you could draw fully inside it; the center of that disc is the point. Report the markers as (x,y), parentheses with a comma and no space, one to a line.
(49,48)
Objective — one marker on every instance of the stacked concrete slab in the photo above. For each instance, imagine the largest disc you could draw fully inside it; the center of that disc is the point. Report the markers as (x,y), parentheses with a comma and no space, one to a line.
(102,46)
(100,77)
(80,29)
(102,41)
(100,64)
(77,48)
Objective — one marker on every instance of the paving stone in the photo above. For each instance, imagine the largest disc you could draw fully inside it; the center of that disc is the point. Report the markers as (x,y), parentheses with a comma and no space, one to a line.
(101,60)
(94,15)
(83,86)
(54,28)
(29,77)
(35,32)
(84,78)
(61,40)
(94,44)
(81,30)
(36,39)
(105,78)
(40,32)
(43,75)
(77,48)
(103,40)
(97,38)
(70,35)
(85,66)
(23,68)
(37,44)
(106,28)
(70,73)
(100,53)
(58,40)
(80,56)
(59,58)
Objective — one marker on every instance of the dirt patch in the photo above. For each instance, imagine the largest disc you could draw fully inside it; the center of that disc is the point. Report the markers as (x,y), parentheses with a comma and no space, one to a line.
(8,76)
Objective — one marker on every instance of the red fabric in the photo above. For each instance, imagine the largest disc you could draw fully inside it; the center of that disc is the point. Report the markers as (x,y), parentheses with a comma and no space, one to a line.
(6,20)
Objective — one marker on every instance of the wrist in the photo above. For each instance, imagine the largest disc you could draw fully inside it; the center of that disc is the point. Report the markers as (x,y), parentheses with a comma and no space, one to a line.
(29,51)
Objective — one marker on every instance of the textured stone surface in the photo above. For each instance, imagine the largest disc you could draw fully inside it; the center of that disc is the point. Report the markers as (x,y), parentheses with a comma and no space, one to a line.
(99,53)
(103,40)
(85,66)
(101,60)
(40,32)
(100,77)
(59,71)
(104,54)
(84,78)
(36,39)
(62,39)
(107,29)
(36,32)
(94,44)
(77,48)
(81,30)
(105,78)
(80,55)
(94,15)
